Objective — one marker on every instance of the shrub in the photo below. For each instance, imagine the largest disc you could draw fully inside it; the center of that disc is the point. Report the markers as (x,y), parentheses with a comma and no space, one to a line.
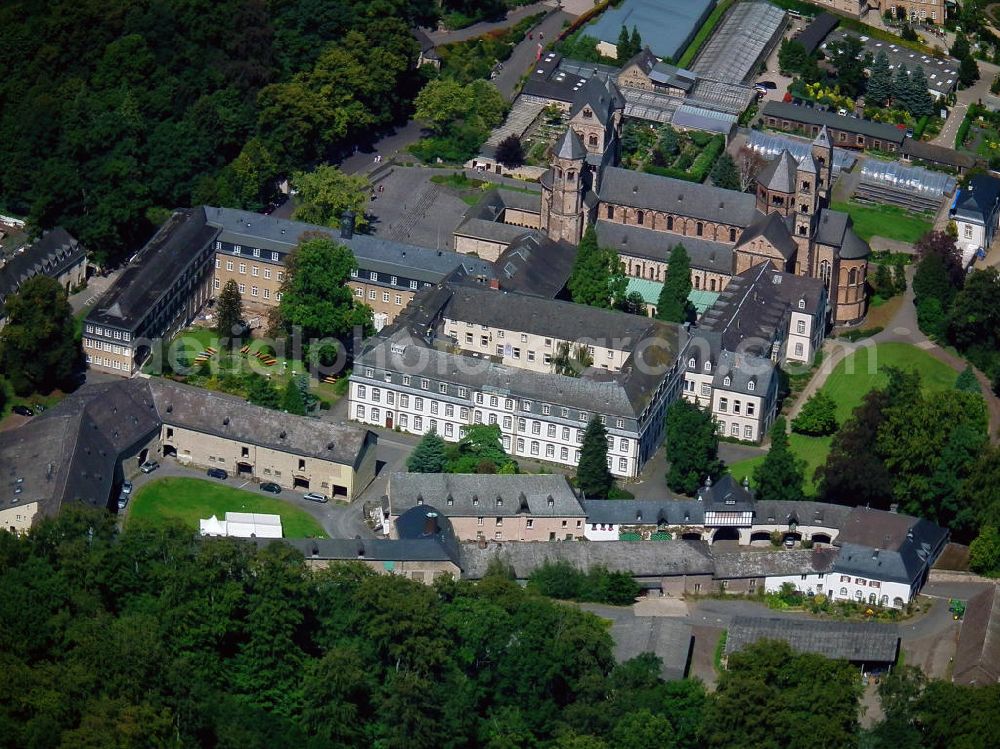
(324,405)
(818,416)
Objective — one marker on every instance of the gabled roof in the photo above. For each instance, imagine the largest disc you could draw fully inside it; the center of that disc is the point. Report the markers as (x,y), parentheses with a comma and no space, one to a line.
(852,641)
(644,511)
(726,494)
(641,241)
(772,227)
(570,147)
(823,139)
(677,196)
(536,265)
(475,495)
(601,96)
(811,116)
(977,658)
(979,200)
(744,564)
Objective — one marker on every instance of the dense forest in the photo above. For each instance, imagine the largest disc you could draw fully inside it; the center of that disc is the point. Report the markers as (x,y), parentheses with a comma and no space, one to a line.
(113,113)
(154,639)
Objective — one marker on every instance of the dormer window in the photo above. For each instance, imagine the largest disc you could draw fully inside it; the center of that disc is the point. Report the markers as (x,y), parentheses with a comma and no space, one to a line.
(707,367)
(751,385)
(728,381)
(802,303)
(691,362)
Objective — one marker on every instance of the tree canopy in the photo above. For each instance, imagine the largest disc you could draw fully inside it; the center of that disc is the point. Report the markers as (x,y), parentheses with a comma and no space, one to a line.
(692,447)
(229,312)
(314,296)
(428,456)
(326,193)
(113,112)
(781,474)
(673,304)
(39,350)
(597,278)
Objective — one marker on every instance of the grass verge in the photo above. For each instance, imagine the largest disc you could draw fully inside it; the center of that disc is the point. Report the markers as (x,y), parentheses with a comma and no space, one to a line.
(887,221)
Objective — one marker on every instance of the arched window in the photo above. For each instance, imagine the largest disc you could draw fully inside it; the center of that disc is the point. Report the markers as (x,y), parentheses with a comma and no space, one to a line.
(699,228)
(570,175)
(639,217)
(824,272)
(670,223)
(592,140)
(728,381)
(712,285)
(691,362)
(732,234)
(611,211)
(751,386)
(852,277)
(697,282)
(843,592)
(651,272)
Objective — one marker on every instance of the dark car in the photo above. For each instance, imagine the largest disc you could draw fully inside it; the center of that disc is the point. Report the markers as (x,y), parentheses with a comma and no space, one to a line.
(766,84)
(270,487)
(218,473)
(23,411)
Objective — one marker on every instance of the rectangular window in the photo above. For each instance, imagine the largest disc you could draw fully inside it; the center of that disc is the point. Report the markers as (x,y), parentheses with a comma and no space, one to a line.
(418,423)
(254,271)
(413,284)
(748,432)
(425,384)
(449,410)
(550,451)
(372,294)
(267,273)
(801,327)
(448,430)
(243,268)
(550,431)
(267,293)
(751,407)
(243,288)
(622,464)
(564,453)
(723,404)
(398,301)
(385,297)
(229,265)
(418,404)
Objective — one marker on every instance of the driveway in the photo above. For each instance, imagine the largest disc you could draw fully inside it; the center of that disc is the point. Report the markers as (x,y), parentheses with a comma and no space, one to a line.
(972,95)
(338,520)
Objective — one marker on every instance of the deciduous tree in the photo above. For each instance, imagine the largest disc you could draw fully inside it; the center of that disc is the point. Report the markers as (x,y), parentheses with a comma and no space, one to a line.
(326,193)
(818,416)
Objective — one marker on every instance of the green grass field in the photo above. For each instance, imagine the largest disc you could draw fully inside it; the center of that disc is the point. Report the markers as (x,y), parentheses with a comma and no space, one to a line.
(850,380)
(190,500)
(887,221)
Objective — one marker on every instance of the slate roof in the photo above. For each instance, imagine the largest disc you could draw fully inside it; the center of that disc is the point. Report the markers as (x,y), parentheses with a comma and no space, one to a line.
(977,657)
(671,75)
(939,154)
(402,348)
(773,228)
(651,191)
(641,241)
(602,96)
(372,253)
(351,549)
(569,146)
(475,495)
(552,318)
(856,125)
(852,641)
(536,265)
(813,35)
(887,546)
(71,451)
(150,273)
(779,174)
(54,253)
(742,369)
(978,201)
(228,416)
(644,511)
(641,558)
(726,494)
(836,230)
(802,513)
(752,311)
(666,637)
(753,564)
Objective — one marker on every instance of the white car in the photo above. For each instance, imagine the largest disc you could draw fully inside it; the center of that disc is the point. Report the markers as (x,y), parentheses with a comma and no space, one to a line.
(315,497)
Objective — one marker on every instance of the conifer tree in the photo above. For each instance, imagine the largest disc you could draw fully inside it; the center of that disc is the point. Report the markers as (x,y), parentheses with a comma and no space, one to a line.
(428,456)
(781,474)
(673,304)
(292,401)
(229,312)
(880,80)
(592,474)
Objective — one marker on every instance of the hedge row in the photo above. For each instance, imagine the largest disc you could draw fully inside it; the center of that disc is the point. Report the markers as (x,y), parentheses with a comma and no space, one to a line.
(701,166)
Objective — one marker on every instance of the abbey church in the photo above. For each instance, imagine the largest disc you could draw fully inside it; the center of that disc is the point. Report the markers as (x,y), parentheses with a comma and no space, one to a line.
(786,222)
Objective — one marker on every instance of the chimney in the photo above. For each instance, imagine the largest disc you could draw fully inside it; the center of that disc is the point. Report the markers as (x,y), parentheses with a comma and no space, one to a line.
(315,549)
(347,225)
(708,481)
(431,524)
(361,549)
(494,283)
(875,554)
(550,500)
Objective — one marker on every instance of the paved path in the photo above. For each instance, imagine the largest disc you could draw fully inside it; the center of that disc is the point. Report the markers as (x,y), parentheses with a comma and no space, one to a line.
(975,93)
(902,328)
(445,36)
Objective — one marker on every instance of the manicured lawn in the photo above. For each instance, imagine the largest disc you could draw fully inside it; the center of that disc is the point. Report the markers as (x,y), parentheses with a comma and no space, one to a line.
(812,449)
(850,380)
(887,221)
(190,500)
(858,373)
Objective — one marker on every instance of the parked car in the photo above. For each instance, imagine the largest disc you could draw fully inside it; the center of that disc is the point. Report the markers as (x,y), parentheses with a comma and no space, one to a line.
(23,411)
(218,473)
(770,85)
(270,487)
(789,542)
(315,497)
(122,501)
(149,466)
(127,488)
(38,407)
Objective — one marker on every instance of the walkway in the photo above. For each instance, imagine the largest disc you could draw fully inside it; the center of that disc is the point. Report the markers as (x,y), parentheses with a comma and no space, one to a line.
(902,328)
(445,36)
(975,93)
